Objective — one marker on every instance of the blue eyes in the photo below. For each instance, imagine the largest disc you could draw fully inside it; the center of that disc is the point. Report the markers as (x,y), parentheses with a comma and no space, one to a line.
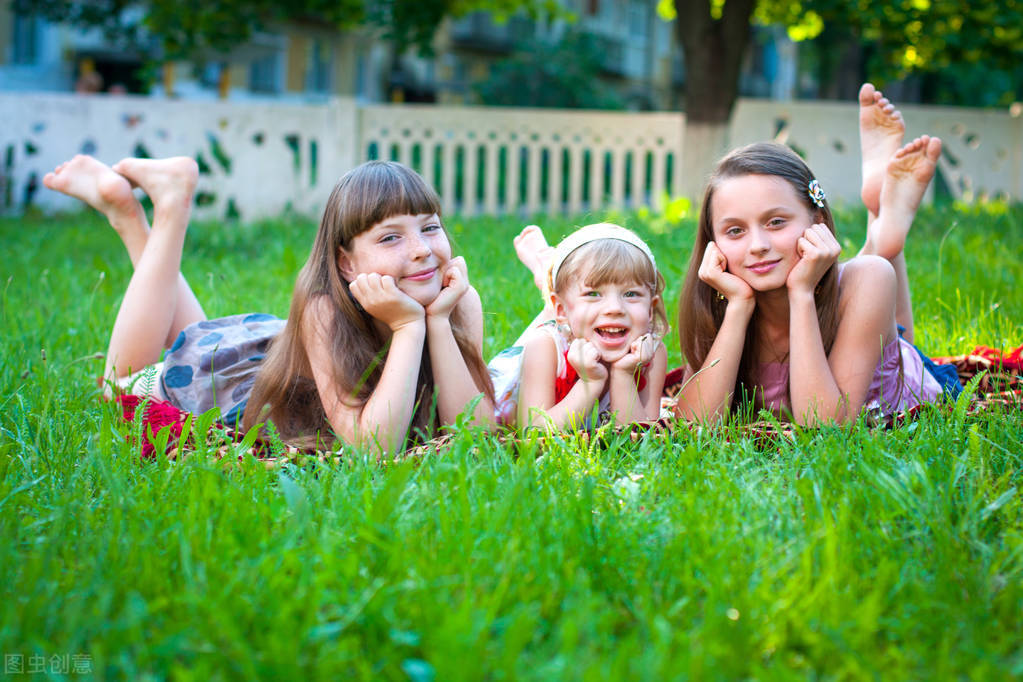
(426,229)
(738,231)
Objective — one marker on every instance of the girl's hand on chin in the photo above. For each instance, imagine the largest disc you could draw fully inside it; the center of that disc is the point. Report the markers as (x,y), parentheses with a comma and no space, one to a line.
(818,250)
(714,271)
(585,359)
(454,284)
(382,299)
(641,352)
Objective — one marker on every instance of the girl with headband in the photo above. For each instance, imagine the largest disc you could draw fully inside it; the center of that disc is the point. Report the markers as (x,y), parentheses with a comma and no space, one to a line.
(597,349)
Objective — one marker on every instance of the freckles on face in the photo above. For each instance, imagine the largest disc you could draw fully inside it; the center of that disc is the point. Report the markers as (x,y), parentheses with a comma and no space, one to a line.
(413,249)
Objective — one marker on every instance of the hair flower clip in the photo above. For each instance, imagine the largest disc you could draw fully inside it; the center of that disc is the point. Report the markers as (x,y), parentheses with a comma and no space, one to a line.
(816,193)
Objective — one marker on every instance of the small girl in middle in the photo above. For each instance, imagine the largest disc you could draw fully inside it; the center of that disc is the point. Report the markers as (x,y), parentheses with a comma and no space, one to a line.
(598,342)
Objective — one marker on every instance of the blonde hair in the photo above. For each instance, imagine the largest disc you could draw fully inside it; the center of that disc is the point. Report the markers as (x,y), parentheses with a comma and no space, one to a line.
(613,261)
(701,312)
(285,392)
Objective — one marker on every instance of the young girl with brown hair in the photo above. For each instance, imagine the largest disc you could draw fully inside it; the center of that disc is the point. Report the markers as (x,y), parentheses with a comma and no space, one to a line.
(768,314)
(597,347)
(384,336)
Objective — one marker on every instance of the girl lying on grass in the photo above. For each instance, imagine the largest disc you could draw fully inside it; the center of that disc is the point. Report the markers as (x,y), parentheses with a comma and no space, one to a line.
(767,313)
(383,337)
(597,345)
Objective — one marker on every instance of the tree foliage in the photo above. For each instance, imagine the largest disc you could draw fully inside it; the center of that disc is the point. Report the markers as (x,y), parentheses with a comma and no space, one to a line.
(414,23)
(913,36)
(562,74)
(177,29)
(181,29)
(957,38)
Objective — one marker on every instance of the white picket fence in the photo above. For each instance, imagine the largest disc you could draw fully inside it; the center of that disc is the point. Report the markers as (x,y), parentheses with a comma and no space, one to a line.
(263,159)
(498,160)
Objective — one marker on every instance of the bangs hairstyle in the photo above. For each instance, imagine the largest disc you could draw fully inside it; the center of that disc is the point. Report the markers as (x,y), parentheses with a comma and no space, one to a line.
(285,392)
(375,191)
(613,261)
(700,312)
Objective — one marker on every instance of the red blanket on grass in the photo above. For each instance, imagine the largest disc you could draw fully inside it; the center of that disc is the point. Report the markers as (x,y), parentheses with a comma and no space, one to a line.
(1002,385)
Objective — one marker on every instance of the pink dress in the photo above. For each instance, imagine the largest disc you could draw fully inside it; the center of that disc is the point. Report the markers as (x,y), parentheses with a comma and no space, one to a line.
(900,382)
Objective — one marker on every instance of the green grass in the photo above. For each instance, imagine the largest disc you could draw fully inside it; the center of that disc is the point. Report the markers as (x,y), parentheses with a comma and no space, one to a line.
(842,554)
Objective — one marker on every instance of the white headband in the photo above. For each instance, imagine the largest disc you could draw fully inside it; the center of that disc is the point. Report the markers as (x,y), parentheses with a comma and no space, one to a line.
(590,233)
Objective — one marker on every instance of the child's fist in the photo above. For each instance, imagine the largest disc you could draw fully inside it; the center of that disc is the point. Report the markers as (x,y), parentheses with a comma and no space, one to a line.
(380,296)
(818,250)
(454,284)
(585,359)
(641,352)
(714,271)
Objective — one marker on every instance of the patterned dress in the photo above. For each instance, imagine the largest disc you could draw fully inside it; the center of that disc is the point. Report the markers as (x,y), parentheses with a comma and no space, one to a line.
(214,363)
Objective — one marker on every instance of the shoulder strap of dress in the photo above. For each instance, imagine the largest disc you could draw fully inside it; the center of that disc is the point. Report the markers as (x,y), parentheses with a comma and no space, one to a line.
(560,342)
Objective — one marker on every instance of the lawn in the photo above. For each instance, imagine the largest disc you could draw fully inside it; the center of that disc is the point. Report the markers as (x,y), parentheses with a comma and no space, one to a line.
(843,553)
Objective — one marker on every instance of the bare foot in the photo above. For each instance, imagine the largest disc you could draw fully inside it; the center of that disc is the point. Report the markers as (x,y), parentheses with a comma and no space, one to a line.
(535,253)
(170,183)
(95,183)
(908,173)
(881,131)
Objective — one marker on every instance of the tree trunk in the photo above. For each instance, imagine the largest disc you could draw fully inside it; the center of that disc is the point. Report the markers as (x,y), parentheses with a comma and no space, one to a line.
(702,145)
(713,50)
(168,79)
(224,81)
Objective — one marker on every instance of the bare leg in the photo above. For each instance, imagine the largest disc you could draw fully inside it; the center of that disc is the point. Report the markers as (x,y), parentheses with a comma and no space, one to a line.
(907,176)
(903,297)
(535,253)
(881,132)
(95,183)
(147,313)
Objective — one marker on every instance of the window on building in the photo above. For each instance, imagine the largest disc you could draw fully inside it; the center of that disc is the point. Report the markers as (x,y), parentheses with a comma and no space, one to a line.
(265,74)
(209,76)
(26,36)
(361,89)
(638,24)
(320,62)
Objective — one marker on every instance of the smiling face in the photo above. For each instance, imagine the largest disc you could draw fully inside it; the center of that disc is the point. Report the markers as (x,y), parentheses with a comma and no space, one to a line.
(413,249)
(756,222)
(599,300)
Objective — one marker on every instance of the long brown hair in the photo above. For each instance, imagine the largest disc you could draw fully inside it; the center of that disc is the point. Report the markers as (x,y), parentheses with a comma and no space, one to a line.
(700,312)
(285,392)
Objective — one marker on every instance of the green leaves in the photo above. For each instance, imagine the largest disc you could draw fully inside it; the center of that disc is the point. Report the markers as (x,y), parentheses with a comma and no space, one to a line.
(205,29)
(557,74)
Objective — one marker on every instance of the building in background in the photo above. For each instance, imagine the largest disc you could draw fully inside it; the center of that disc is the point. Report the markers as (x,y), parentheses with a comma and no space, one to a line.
(640,60)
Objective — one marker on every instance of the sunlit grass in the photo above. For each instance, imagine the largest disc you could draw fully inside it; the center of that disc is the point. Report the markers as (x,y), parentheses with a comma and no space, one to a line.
(843,553)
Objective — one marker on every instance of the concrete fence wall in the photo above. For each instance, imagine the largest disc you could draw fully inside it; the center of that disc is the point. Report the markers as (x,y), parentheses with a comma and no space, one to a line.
(982,148)
(262,159)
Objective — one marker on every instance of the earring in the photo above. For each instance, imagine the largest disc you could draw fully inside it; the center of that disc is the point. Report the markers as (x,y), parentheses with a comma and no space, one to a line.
(721,297)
